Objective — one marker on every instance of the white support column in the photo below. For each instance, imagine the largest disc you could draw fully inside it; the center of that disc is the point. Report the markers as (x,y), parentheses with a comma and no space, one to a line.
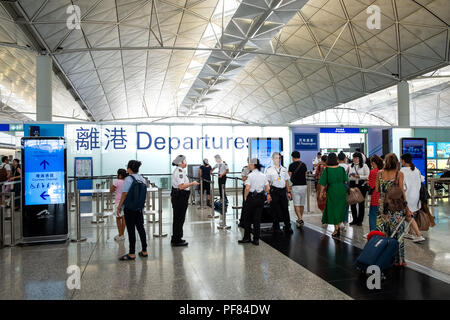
(43,88)
(403,104)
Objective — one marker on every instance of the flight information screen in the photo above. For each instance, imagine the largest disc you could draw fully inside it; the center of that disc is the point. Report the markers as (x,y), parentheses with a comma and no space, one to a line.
(44,174)
(417,147)
(263,148)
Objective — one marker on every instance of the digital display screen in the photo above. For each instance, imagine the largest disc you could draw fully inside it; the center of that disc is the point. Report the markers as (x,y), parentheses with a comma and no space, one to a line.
(418,150)
(443,150)
(442,164)
(431,164)
(44,178)
(431,150)
(263,148)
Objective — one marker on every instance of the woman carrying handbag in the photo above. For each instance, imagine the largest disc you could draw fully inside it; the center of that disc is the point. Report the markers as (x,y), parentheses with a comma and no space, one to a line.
(358,174)
(333,182)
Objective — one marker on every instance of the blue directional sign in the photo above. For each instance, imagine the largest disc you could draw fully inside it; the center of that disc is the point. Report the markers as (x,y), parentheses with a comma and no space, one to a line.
(44,172)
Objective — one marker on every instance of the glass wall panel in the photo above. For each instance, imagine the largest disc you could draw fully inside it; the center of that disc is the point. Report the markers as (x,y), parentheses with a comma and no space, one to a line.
(188,141)
(153,152)
(84,140)
(242,133)
(280,132)
(118,147)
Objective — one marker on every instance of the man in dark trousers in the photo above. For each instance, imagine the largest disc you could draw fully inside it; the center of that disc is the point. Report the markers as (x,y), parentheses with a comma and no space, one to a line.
(180,196)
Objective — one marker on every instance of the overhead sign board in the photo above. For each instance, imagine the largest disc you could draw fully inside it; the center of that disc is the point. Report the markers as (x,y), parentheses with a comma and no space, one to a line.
(305,141)
(344,130)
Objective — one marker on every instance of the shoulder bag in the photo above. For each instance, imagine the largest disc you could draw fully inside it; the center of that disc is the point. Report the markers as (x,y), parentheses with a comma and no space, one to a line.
(354,196)
(322,199)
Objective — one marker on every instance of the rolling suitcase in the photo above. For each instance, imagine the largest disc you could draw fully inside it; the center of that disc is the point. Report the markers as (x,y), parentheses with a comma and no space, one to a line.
(218,205)
(380,251)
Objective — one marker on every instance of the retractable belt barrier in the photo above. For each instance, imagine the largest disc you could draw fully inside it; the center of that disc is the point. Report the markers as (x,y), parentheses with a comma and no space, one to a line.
(432,182)
(8,197)
(223,223)
(99,214)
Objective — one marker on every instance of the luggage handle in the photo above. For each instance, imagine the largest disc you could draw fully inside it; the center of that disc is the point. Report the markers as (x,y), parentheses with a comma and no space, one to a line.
(404,232)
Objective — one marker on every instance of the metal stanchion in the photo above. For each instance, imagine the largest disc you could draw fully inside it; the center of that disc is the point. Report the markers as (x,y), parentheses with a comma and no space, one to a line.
(213,212)
(432,193)
(223,223)
(147,198)
(160,234)
(97,215)
(78,216)
(11,221)
(308,196)
(236,197)
(2,227)
(70,196)
(201,194)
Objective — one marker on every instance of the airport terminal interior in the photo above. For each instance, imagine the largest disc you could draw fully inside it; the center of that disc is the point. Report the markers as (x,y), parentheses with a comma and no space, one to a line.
(210,95)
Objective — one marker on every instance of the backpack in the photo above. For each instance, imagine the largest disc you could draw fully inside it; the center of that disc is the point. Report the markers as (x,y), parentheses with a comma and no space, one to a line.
(394,199)
(3,174)
(136,196)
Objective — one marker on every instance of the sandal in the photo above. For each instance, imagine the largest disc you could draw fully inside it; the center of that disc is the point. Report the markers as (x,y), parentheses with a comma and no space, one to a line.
(143,255)
(126,257)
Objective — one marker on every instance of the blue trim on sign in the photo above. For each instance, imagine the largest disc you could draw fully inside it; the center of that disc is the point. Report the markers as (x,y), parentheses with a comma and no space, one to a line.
(4,127)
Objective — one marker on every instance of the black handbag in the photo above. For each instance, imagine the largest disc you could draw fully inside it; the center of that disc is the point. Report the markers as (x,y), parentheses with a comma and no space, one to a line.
(424,194)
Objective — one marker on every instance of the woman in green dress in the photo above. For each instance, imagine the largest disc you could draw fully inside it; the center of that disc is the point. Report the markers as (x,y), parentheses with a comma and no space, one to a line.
(334,179)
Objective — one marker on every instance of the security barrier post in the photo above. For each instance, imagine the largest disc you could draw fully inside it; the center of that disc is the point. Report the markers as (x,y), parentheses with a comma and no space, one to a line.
(97,215)
(213,212)
(13,229)
(223,223)
(160,234)
(308,196)
(236,206)
(78,216)
(201,194)
(2,227)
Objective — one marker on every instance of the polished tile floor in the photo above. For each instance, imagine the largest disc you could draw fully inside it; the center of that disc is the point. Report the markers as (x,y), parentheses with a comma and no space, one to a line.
(214,266)
(434,253)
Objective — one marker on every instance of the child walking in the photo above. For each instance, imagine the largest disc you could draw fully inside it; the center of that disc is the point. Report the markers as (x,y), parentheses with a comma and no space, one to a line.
(117,188)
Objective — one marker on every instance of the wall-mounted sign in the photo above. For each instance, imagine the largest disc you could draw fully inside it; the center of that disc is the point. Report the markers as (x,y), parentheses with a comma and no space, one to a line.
(16,127)
(305,141)
(4,127)
(344,130)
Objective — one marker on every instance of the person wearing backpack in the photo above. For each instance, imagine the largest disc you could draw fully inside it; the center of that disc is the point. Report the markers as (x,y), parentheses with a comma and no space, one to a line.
(392,206)
(297,172)
(134,192)
(180,198)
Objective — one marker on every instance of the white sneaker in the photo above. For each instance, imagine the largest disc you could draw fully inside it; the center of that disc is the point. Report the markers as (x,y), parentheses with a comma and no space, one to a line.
(419,239)
(119,238)
(409,236)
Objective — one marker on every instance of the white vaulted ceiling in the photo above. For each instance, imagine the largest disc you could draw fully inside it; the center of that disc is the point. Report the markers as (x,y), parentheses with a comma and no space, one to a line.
(253,61)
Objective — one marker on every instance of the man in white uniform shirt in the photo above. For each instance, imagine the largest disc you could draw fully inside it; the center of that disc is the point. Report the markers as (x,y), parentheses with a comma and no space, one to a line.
(179,197)
(244,174)
(254,197)
(223,170)
(278,178)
